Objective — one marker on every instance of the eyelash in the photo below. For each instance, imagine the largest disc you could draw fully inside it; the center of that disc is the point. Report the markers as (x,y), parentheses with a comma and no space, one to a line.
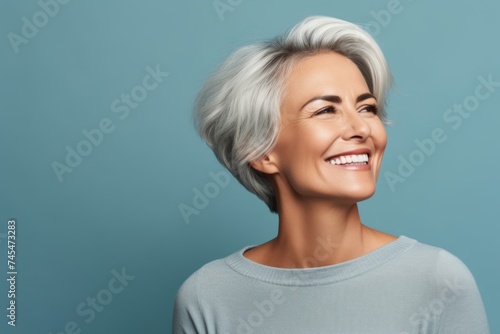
(323,111)
(371,108)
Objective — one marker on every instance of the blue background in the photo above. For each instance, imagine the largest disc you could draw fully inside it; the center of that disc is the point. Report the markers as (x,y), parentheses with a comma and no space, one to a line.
(119,208)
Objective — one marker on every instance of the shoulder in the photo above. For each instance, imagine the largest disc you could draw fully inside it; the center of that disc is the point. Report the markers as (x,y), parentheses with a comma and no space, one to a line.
(211,276)
(433,269)
(456,299)
(445,264)
(453,275)
(196,281)
(444,276)
(192,301)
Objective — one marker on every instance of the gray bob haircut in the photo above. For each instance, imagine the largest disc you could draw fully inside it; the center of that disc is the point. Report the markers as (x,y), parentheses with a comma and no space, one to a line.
(237,111)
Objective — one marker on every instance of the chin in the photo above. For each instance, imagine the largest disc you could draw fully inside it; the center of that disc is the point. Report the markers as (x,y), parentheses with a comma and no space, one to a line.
(364,198)
(359,195)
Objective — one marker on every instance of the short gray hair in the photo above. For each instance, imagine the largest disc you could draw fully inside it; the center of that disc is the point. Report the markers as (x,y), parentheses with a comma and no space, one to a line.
(237,111)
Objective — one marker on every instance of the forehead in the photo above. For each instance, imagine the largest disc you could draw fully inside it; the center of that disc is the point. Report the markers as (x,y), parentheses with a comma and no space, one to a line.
(325,73)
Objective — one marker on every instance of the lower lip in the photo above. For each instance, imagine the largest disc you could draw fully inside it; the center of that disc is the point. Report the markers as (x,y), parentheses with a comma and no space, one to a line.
(353,167)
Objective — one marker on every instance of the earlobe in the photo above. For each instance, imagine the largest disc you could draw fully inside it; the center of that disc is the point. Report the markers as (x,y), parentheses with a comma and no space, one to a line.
(265,165)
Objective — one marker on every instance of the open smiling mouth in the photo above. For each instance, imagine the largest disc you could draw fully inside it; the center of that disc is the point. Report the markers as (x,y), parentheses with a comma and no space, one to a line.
(349,160)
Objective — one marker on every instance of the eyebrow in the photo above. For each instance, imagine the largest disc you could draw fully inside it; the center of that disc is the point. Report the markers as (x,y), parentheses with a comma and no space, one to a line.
(338,99)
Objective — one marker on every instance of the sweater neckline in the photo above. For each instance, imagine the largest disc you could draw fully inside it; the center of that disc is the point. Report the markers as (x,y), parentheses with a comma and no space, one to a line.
(318,275)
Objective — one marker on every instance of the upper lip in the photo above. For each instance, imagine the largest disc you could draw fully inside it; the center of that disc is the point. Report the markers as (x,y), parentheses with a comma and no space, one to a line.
(357,151)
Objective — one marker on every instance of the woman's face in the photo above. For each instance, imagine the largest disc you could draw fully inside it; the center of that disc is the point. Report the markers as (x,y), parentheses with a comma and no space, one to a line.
(331,140)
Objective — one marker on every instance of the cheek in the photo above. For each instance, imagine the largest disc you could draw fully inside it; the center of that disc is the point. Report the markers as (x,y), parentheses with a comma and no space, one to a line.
(306,138)
(321,134)
(379,135)
(303,143)
(300,149)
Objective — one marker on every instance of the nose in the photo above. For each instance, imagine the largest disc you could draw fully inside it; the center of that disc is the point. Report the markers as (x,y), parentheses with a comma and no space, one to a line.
(355,127)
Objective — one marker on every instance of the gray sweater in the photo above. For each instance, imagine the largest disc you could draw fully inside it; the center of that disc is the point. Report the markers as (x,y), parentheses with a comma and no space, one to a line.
(404,287)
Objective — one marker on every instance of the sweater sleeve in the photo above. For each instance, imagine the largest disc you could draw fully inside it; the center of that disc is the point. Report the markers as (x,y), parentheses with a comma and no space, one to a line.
(187,318)
(459,300)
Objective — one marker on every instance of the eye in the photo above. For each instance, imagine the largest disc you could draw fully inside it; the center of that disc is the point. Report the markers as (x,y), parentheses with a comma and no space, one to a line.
(370,108)
(326,110)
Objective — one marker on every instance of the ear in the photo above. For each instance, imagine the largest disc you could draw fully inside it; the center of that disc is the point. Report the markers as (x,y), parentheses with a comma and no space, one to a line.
(266,165)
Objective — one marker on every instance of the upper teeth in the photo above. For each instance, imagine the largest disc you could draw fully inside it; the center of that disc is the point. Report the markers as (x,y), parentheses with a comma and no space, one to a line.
(347,159)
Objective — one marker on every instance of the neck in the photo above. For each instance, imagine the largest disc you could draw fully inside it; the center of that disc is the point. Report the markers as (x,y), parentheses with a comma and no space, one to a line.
(319,236)
(317,232)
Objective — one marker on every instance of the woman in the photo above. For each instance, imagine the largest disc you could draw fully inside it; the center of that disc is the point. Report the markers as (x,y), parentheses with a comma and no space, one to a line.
(299,122)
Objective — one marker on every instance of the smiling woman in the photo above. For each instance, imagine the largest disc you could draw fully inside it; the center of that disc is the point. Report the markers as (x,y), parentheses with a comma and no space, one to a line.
(326,129)
(299,122)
